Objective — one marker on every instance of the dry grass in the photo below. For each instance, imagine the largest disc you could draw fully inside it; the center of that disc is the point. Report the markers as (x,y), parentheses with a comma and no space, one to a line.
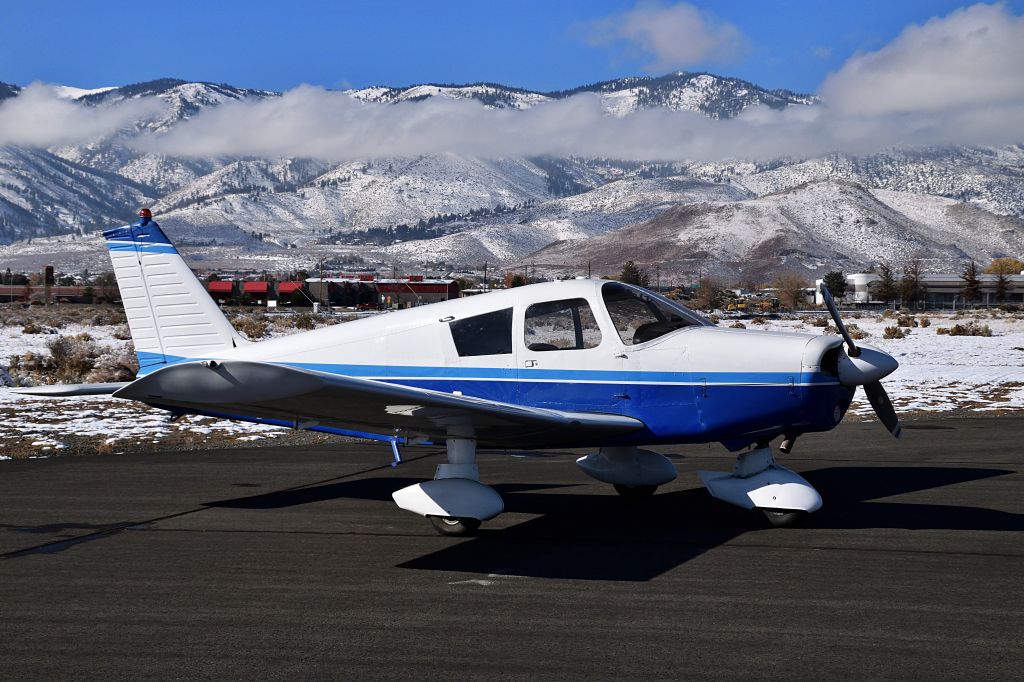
(894,333)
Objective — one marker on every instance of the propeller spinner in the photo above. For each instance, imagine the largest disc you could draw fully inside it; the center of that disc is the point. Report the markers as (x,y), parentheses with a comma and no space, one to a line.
(865,367)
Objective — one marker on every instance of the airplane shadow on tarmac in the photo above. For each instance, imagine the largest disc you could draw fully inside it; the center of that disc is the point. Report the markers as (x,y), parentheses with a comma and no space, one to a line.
(606,537)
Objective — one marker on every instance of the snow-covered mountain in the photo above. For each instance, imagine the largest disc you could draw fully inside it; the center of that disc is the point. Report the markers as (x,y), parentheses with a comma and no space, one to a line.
(815,226)
(945,204)
(715,96)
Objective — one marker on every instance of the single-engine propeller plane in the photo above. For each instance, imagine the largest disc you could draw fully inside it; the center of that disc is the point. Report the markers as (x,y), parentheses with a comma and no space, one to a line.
(581,363)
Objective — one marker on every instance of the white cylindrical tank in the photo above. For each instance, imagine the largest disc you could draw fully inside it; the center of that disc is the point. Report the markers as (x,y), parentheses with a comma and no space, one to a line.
(858,286)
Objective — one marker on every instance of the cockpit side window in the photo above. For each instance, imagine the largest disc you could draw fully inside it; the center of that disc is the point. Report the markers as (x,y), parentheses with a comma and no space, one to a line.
(561,325)
(640,316)
(487,334)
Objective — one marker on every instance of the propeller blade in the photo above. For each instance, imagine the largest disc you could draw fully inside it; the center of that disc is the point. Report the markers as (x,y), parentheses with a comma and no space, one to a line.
(879,400)
(826,296)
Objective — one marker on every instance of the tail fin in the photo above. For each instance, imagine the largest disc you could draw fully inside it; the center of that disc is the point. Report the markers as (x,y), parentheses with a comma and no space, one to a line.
(170,315)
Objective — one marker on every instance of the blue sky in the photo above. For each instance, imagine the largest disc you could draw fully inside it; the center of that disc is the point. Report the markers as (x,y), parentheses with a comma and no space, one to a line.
(540,45)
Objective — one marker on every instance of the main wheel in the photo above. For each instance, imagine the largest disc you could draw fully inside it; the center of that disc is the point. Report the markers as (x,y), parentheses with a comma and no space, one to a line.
(452,525)
(635,492)
(784,518)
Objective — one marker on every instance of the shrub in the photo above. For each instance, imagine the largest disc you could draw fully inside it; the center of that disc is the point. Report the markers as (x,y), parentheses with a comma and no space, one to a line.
(894,333)
(906,321)
(856,332)
(759,320)
(820,322)
(970,329)
(714,319)
(304,320)
(106,317)
(31,328)
(122,333)
(887,313)
(251,326)
(737,325)
(71,358)
(942,331)
(121,365)
(925,322)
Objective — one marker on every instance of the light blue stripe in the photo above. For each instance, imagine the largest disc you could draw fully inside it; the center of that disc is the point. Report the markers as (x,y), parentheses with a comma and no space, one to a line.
(140,246)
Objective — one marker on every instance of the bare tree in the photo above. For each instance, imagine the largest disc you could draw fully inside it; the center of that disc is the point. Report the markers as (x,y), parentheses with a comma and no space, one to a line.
(792,290)
(911,287)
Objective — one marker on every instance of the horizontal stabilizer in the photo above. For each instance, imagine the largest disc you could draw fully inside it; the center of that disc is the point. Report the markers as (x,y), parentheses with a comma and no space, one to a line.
(69,390)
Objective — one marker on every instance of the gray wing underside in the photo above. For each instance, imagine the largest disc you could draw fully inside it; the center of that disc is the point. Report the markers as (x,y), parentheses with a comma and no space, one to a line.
(306,397)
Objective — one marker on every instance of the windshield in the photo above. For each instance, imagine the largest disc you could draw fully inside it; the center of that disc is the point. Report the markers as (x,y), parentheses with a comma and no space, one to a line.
(640,316)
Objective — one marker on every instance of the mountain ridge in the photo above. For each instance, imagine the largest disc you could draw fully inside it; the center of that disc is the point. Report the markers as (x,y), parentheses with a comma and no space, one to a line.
(502,209)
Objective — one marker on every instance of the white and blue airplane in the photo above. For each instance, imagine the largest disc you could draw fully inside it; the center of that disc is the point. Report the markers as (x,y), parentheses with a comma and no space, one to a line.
(582,363)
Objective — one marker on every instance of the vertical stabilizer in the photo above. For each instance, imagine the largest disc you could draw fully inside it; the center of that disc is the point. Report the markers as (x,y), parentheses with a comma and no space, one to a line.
(170,315)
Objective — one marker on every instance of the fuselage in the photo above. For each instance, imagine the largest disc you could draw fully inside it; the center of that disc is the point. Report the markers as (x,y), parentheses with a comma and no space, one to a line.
(580,345)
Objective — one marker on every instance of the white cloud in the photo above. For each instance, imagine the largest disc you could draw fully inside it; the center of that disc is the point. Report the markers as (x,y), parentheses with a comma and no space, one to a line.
(953,80)
(41,116)
(970,59)
(676,36)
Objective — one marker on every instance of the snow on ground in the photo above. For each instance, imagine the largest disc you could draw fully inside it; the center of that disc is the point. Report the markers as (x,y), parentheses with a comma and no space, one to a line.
(940,373)
(937,373)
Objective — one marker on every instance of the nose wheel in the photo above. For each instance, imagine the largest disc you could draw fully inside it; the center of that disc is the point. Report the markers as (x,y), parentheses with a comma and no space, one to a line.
(784,518)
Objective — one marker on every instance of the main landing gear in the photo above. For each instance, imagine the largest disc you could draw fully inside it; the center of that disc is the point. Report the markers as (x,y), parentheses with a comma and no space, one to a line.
(456,502)
(635,473)
(757,482)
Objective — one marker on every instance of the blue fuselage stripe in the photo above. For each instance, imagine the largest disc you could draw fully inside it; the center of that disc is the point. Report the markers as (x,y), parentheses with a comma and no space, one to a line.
(676,407)
(403,373)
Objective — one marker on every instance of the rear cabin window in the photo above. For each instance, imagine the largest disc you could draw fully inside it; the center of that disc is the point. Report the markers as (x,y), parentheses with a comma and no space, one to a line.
(487,334)
(640,317)
(561,325)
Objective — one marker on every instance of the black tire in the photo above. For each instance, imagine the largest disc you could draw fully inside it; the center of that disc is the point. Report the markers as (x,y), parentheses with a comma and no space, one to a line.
(451,525)
(784,518)
(635,492)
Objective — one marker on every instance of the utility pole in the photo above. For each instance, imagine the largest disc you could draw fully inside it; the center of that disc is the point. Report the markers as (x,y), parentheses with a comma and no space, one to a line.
(588,270)
(657,270)
(485,276)
(320,296)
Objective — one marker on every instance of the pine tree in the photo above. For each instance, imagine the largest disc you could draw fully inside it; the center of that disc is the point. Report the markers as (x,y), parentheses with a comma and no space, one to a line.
(885,287)
(835,282)
(972,287)
(631,274)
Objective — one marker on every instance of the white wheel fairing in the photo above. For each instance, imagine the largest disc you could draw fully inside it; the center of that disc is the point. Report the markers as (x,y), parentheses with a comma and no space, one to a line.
(451,497)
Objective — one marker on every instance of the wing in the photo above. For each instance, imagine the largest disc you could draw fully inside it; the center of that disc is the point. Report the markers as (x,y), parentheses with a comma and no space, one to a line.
(308,398)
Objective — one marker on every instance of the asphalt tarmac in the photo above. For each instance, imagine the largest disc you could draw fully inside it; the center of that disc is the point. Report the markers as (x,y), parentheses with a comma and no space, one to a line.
(294,563)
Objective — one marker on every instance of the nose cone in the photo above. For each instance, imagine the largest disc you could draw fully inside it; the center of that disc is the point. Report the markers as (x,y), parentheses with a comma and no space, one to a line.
(871,365)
